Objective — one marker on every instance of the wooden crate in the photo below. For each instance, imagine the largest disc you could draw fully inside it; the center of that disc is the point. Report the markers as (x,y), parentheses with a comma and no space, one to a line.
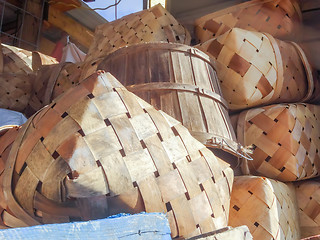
(99,150)
(266,206)
(256,69)
(308,200)
(150,25)
(285,138)
(276,17)
(181,81)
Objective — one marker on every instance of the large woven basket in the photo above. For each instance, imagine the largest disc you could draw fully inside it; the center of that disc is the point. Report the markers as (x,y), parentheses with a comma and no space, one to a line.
(150,25)
(51,81)
(285,138)
(276,17)
(256,69)
(308,200)
(266,206)
(99,150)
(15,60)
(181,81)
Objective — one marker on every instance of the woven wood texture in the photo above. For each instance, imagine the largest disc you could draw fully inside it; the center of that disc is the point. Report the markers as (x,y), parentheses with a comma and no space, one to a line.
(51,81)
(276,17)
(39,59)
(99,150)
(150,25)
(15,60)
(286,140)
(266,206)
(308,200)
(179,80)
(256,69)
(15,91)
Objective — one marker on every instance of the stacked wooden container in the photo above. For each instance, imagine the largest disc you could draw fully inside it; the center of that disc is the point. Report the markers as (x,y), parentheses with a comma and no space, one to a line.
(143,125)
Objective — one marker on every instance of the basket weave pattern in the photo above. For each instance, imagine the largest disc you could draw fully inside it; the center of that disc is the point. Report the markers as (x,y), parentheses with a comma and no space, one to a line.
(98,150)
(256,69)
(277,18)
(308,200)
(266,206)
(286,140)
(150,25)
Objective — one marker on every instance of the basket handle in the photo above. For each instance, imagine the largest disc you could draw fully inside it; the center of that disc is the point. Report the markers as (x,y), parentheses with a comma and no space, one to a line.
(1,59)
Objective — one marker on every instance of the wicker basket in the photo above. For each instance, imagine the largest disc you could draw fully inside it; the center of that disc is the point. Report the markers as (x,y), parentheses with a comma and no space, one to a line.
(99,150)
(15,91)
(307,193)
(51,81)
(267,207)
(286,140)
(39,60)
(256,69)
(15,60)
(181,81)
(150,25)
(276,17)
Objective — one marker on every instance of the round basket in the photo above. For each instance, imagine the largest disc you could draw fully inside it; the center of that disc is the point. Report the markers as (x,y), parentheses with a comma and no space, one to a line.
(98,150)
(181,81)
(150,25)
(256,69)
(285,139)
(308,200)
(276,17)
(266,206)
(15,60)
(15,91)
(51,81)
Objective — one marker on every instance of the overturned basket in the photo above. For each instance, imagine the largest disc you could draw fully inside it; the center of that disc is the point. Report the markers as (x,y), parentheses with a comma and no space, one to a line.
(256,69)
(181,81)
(276,17)
(51,81)
(150,25)
(285,138)
(99,150)
(266,206)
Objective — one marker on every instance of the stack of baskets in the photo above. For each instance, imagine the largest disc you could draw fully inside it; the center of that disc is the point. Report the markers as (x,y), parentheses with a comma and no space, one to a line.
(96,144)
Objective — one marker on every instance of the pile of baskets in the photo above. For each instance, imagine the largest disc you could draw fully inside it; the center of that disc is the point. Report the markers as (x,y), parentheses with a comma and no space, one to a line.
(143,124)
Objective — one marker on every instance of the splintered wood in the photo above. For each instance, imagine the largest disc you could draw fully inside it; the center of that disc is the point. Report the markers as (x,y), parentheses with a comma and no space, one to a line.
(285,138)
(266,206)
(150,25)
(98,150)
(276,17)
(256,69)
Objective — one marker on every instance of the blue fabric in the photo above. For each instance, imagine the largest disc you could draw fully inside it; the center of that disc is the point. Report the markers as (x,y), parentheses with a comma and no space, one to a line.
(144,226)
(9,117)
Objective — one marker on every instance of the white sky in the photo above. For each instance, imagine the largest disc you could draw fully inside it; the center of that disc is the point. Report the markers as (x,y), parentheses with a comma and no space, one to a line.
(125,7)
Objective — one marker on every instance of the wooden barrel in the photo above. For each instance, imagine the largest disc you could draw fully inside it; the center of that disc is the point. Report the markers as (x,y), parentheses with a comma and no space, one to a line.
(51,81)
(99,150)
(276,17)
(181,81)
(266,206)
(150,25)
(15,60)
(256,69)
(285,139)
(308,200)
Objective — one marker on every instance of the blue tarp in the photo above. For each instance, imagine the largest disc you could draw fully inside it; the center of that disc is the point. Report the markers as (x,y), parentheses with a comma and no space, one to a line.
(140,226)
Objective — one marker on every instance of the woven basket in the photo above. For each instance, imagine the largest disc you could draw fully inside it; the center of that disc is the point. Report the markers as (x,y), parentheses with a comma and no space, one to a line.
(276,17)
(39,60)
(99,150)
(181,81)
(150,25)
(51,81)
(308,200)
(256,69)
(15,91)
(266,206)
(286,140)
(15,60)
